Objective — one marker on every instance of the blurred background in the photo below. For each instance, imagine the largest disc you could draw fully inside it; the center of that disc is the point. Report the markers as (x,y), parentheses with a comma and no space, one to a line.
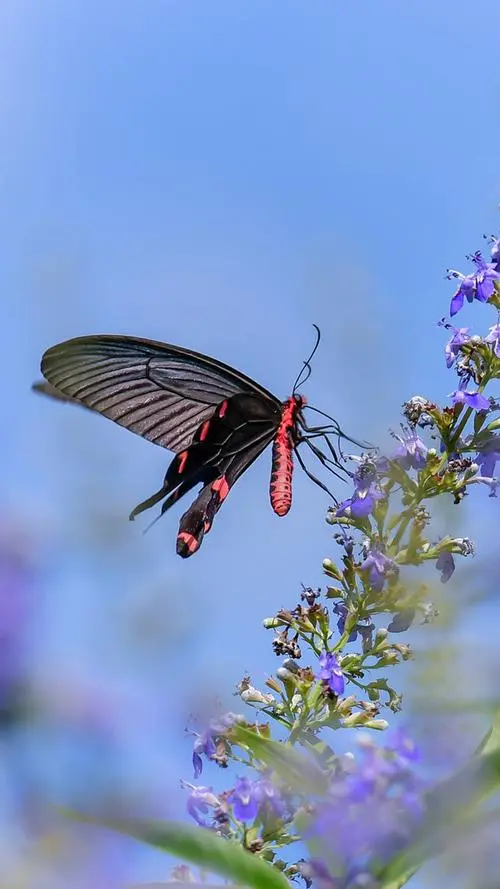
(219,175)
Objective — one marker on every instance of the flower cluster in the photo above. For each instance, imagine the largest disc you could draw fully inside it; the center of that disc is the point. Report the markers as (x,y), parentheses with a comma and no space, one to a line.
(373,805)
(337,644)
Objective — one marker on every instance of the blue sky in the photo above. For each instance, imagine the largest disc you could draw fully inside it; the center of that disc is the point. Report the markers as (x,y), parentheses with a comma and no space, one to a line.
(221,175)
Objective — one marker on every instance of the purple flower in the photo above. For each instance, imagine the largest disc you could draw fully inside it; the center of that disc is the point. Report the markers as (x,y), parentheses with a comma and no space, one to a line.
(331,673)
(270,799)
(365,630)
(402,620)
(492,483)
(373,807)
(474,400)
(404,748)
(342,610)
(488,456)
(248,798)
(379,567)
(205,742)
(453,346)
(495,252)
(445,563)
(244,800)
(412,452)
(478,285)
(494,338)
(366,490)
(200,801)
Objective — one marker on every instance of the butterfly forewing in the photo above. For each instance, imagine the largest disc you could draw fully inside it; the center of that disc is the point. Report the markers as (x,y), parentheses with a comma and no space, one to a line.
(159,391)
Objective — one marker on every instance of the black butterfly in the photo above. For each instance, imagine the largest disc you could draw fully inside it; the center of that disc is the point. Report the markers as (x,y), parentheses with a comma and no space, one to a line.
(214,418)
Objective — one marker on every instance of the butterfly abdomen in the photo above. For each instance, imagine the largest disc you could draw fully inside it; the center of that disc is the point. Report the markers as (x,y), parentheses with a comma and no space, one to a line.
(282,463)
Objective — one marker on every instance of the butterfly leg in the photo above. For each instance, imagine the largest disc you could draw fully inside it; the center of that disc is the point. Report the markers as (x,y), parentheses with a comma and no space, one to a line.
(327,462)
(313,477)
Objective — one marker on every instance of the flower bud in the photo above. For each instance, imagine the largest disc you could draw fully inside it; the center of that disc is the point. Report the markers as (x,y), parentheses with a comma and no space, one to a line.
(331,569)
(379,725)
(345,705)
(253,695)
(388,659)
(270,623)
(286,676)
(271,683)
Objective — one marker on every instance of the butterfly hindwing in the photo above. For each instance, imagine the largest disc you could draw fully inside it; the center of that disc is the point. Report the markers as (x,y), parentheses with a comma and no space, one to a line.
(223,448)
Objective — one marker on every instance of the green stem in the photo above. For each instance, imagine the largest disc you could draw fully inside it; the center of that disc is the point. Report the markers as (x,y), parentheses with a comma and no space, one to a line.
(466,416)
(396,540)
(461,426)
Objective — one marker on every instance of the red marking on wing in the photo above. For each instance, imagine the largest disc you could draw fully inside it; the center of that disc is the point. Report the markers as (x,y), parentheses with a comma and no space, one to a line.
(282,463)
(187,544)
(204,430)
(222,408)
(182,458)
(221,487)
(198,519)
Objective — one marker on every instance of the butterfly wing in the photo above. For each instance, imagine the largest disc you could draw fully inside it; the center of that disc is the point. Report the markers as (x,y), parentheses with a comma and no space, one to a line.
(215,419)
(224,447)
(162,392)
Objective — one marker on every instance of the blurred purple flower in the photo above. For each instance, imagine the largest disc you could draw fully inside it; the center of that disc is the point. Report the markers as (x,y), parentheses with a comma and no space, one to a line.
(374,805)
(365,630)
(403,747)
(331,673)
(478,285)
(379,567)
(248,798)
(244,800)
(315,872)
(270,798)
(445,563)
(474,400)
(411,452)
(452,348)
(366,489)
(200,801)
(402,620)
(493,339)
(488,457)
(205,742)
(495,252)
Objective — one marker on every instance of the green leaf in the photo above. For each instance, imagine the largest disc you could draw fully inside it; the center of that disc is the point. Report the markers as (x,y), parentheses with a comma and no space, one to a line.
(491,740)
(322,752)
(197,846)
(298,771)
(493,426)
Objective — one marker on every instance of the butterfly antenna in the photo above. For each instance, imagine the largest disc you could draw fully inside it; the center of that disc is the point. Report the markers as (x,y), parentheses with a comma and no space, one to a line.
(306,366)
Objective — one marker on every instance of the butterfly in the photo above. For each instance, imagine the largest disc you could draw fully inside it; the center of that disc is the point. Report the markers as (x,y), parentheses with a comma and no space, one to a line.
(215,419)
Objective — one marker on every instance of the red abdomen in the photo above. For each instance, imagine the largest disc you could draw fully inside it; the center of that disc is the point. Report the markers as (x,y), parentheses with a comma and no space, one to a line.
(282,465)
